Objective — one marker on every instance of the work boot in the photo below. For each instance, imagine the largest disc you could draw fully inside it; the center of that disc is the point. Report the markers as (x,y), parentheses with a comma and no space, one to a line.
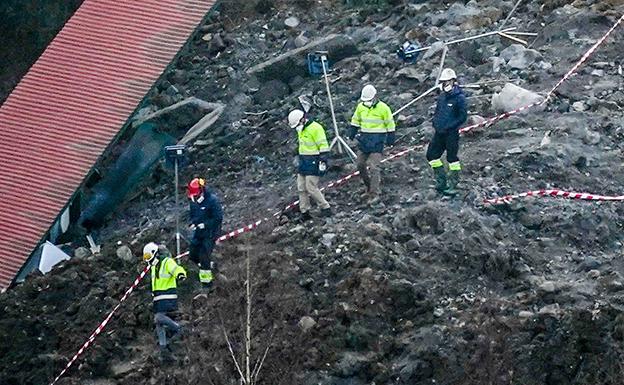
(326,213)
(440,179)
(453,180)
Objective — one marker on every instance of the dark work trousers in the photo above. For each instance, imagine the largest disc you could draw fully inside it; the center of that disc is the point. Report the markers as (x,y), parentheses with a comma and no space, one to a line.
(447,141)
(163,323)
(200,250)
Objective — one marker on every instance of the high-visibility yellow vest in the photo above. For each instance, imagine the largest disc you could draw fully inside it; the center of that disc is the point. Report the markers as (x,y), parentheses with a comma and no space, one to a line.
(373,120)
(312,140)
(164,275)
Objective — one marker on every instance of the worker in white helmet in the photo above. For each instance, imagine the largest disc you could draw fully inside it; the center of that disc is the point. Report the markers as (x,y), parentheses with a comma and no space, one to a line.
(165,273)
(313,151)
(374,126)
(450,113)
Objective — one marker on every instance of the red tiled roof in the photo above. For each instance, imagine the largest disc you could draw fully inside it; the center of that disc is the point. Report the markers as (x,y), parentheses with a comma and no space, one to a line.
(73,102)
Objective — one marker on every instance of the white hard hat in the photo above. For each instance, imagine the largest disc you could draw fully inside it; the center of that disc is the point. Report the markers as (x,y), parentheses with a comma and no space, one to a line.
(447,74)
(149,251)
(368,93)
(294,118)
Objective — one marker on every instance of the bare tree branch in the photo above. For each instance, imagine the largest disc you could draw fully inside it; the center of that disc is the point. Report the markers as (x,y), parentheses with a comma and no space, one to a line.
(227,340)
(260,362)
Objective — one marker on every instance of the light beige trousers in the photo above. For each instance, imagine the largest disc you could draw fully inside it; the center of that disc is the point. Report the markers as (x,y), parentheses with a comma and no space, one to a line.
(307,186)
(372,175)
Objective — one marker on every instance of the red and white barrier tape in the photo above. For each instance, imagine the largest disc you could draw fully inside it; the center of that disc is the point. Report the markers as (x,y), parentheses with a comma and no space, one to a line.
(554,193)
(342,180)
(502,116)
(102,325)
(254,225)
(584,58)
(550,93)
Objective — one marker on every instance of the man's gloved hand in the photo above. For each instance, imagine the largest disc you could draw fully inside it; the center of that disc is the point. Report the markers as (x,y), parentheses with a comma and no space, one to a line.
(181,277)
(201,226)
(390,138)
(322,167)
(192,227)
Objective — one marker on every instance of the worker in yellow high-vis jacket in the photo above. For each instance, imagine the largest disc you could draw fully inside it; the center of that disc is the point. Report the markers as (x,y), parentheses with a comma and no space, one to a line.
(165,273)
(374,126)
(313,151)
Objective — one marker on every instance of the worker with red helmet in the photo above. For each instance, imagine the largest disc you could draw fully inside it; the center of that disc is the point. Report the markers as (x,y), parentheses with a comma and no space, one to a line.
(206,215)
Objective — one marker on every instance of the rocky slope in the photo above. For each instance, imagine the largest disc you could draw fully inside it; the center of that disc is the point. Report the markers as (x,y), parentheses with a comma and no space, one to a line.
(416,290)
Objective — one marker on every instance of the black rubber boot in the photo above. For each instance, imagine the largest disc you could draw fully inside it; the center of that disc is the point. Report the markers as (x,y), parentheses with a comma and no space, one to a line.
(440,179)
(453,180)
(326,213)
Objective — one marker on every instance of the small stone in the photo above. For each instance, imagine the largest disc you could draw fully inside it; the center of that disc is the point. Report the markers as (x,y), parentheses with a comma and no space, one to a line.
(207,37)
(438,312)
(551,310)
(292,22)
(598,73)
(514,151)
(591,137)
(579,106)
(125,253)
(328,239)
(297,229)
(306,323)
(547,287)
(81,252)
(274,273)
(593,274)
(526,314)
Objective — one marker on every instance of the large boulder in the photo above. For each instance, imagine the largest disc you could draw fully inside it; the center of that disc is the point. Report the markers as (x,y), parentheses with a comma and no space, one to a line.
(513,97)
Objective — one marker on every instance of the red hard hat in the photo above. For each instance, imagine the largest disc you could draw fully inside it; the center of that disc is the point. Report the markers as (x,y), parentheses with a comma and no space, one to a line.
(196,187)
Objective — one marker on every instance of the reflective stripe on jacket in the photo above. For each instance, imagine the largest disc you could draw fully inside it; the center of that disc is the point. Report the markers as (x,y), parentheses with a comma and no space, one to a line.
(164,284)
(313,147)
(373,123)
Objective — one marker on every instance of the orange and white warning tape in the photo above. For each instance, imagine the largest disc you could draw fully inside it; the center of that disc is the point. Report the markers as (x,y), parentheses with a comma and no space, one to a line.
(554,193)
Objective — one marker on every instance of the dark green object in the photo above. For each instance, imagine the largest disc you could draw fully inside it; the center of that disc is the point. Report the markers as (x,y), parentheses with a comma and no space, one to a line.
(453,180)
(440,178)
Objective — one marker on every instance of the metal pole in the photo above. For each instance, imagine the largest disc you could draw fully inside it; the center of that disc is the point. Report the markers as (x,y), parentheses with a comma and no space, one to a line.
(177,207)
(331,103)
(470,38)
(430,90)
(510,13)
(444,52)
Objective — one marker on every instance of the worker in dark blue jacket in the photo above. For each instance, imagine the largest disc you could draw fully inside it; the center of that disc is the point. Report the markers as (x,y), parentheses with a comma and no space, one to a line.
(206,218)
(450,113)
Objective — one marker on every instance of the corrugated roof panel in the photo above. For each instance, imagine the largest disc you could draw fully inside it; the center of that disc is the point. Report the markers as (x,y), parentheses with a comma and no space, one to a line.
(72,103)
